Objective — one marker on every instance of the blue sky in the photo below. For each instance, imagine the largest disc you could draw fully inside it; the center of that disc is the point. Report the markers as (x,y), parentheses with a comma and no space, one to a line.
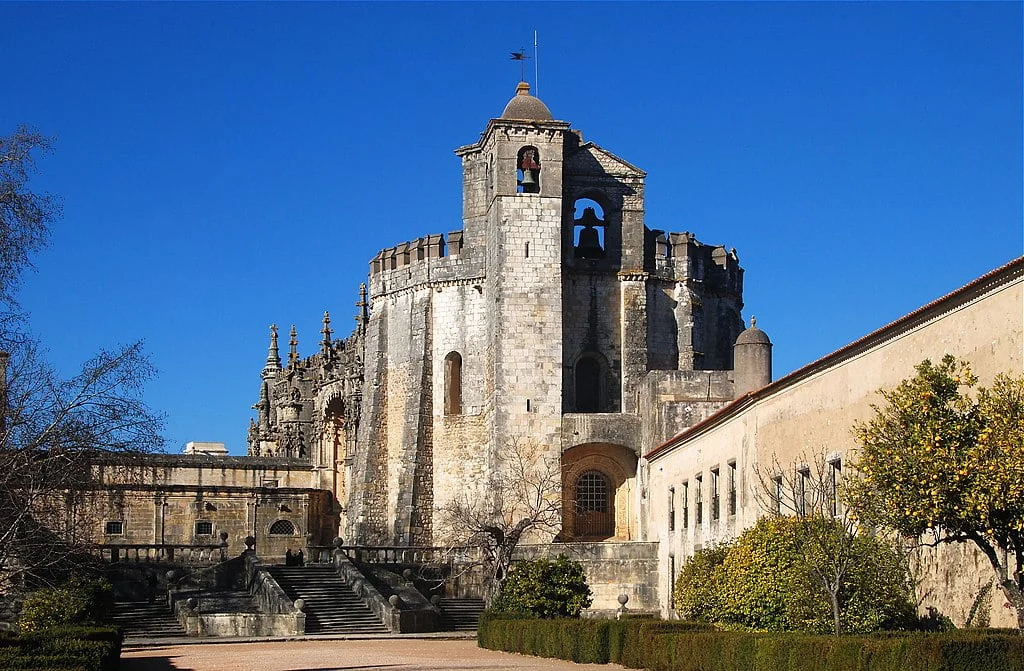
(225,166)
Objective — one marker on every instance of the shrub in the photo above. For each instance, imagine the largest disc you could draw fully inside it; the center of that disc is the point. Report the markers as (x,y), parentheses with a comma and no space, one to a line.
(763,581)
(78,601)
(545,589)
(685,646)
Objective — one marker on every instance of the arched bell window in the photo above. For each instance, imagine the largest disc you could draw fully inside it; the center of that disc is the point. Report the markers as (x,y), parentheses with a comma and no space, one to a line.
(528,170)
(589,229)
(453,384)
(594,514)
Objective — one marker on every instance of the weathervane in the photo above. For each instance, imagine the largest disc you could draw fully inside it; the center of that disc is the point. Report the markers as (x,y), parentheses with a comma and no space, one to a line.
(521,57)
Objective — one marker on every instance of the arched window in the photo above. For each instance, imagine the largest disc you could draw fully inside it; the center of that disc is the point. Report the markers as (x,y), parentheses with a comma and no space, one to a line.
(453,384)
(282,528)
(528,170)
(587,382)
(594,516)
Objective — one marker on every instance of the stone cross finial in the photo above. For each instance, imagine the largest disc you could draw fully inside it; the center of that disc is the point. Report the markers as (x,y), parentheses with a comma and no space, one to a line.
(293,347)
(273,358)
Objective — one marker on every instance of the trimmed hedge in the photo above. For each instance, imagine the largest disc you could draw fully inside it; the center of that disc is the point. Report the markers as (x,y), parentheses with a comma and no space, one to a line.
(683,646)
(65,648)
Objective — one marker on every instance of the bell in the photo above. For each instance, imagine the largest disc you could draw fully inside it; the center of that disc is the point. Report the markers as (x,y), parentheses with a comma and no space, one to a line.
(529,181)
(589,246)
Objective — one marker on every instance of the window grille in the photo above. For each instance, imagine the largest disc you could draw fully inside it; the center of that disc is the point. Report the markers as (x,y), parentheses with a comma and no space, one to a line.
(114,528)
(204,528)
(282,528)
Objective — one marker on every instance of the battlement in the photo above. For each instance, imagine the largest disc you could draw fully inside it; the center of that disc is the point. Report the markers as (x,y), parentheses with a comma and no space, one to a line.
(432,258)
(427,247)
(687,258)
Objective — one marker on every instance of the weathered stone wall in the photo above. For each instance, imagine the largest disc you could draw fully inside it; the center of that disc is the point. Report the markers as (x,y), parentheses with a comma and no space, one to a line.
(161,503)
(611,569)
(808,415)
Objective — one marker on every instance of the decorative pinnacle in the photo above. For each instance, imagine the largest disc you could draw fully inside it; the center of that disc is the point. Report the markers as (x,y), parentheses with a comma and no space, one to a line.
(325,343)
(293,347)
(753,321)
(363,316)
(273,358)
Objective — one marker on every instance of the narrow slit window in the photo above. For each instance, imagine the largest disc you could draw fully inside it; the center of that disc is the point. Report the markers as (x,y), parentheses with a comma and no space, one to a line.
(453,384)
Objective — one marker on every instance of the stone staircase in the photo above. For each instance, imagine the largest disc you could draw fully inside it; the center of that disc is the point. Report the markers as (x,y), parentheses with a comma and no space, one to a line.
(141,619)
(331,606)
(460,614)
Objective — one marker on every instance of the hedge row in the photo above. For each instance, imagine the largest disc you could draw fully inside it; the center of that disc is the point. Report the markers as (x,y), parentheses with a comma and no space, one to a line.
(63,648)
(680,646)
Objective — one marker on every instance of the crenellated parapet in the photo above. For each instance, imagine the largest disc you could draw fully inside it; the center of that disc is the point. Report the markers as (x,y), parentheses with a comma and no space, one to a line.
(682,257)
(432,258)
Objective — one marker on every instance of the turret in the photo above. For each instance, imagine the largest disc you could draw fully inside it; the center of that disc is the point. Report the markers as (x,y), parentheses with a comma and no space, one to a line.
(752,360)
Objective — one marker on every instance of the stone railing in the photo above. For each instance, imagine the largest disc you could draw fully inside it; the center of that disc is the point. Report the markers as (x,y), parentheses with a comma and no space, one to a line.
(386,554)
(190,555)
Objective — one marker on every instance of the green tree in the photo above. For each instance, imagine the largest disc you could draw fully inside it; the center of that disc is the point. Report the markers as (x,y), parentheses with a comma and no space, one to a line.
(544,588)
(701,583)
(938,464)
(765,580)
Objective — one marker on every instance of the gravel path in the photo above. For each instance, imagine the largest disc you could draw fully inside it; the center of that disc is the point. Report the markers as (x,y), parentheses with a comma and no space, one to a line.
(339,655)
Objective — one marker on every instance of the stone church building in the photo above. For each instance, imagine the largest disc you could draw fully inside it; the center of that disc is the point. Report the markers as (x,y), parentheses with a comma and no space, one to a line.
(557,317)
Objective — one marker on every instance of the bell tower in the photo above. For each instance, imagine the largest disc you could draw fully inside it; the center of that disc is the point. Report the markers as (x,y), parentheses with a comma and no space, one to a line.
(513,208)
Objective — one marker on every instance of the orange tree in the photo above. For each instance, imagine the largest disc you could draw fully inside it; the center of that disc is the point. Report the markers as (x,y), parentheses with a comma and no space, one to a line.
(946,465)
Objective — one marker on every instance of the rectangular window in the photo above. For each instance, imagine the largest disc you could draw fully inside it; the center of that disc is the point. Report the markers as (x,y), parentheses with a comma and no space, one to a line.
(777,491)
(114,528)
(204,528)
(803,475)
(671,508)
(686,505)
(732,487)
(835,470)
(715,502)
(698,502)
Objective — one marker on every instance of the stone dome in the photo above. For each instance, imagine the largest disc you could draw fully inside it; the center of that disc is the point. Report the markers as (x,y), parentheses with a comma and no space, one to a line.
(524,107)
(753,336)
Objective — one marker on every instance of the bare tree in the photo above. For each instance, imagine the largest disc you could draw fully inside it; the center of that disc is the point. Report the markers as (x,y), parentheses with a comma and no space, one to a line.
(25,216)
(53,431)
(520,498)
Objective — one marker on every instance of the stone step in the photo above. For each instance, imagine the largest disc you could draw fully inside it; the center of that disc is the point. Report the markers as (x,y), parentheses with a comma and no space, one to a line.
(146,620)
(460,614)
(331,606)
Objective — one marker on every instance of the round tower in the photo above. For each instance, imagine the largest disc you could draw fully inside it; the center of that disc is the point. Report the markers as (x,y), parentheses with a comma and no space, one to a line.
(752,360)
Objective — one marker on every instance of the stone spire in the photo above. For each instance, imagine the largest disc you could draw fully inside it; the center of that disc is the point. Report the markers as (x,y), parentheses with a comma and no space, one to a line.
(325,342)
(293,347)
(363,315)
(273,364)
